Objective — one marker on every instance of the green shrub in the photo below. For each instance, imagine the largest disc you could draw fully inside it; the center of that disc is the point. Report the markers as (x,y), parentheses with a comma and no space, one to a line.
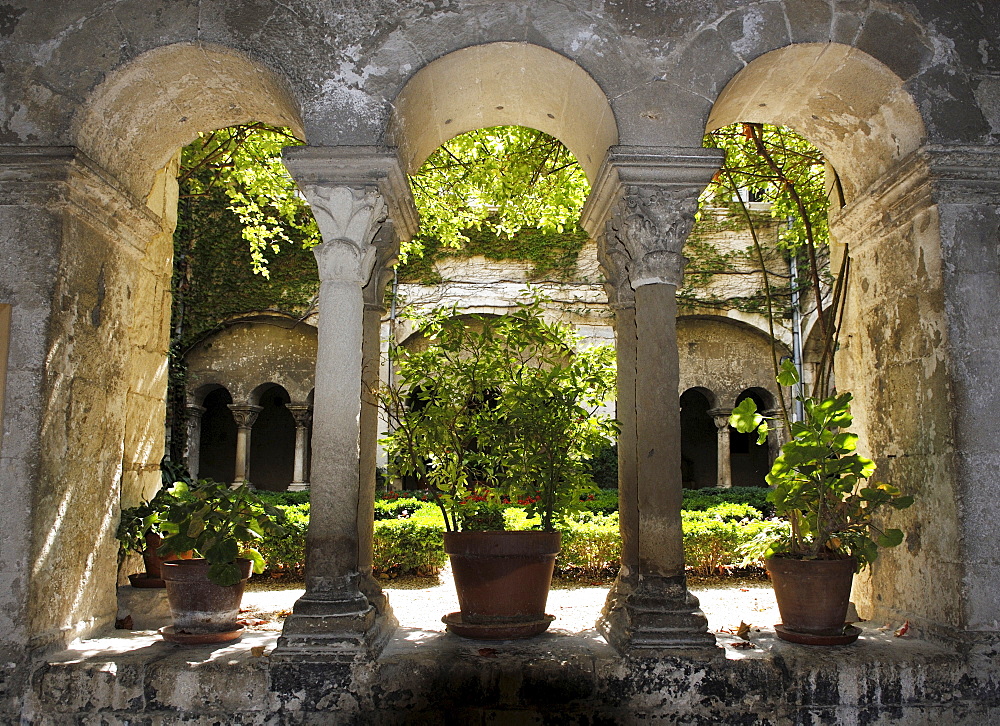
(725,512)
(396,508)
(714,539)
(284,499)
(287,553)
(603,467)
(756,497)
(404,546)
(591,545)
(604,501)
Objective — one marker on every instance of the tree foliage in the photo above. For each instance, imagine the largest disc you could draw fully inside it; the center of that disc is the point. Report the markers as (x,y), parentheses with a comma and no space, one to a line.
(245,162)
(503,179)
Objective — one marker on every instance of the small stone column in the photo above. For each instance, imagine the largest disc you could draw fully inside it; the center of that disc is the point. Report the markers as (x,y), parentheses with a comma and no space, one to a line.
(724,470)
(194,416)
(645,200)
(302,413)
(244,415)
(343,614)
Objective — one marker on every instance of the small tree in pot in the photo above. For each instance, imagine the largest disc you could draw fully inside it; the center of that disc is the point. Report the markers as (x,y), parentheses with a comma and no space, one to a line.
(495,410)
(821,487)
(217,522)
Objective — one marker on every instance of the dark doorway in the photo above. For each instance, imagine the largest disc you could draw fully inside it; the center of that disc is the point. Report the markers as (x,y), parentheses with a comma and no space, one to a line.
(272,442)
(217,457)
(699,441)
(750,461)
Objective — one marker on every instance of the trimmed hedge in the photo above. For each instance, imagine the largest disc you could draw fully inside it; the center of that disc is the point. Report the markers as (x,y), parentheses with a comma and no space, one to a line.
(408,533)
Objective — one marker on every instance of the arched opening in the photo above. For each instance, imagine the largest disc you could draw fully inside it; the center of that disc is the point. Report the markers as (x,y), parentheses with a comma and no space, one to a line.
(699,440)
(750,460)
(217,447)
(272,451)
(503,84)
(858,112)
(126,136)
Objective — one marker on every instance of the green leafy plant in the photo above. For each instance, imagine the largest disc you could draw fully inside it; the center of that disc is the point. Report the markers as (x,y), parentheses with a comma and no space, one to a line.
(821,484)
(218,522)
(498,409)
(147,517)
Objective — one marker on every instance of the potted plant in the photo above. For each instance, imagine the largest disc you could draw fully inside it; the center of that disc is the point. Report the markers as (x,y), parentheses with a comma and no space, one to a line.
(822,488)
(492,411)
(141,530)
(217,522)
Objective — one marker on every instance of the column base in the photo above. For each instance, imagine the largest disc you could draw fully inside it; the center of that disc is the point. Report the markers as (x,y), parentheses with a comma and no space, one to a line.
(298,486)
(336,626)
(653,616)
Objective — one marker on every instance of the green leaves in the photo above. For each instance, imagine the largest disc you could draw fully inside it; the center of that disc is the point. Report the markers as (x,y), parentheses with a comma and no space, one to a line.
(820,486)
(503,179)
(505,404)
(217,521)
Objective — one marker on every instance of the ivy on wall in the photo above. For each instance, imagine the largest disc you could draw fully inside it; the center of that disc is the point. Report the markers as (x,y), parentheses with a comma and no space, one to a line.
(552,254)
(214,282)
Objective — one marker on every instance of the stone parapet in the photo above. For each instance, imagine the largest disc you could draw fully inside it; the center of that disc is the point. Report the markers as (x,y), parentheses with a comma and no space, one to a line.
(437,678)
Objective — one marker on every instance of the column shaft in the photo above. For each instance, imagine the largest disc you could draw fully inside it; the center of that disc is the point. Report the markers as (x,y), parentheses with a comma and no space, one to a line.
(658,431)
(628,476)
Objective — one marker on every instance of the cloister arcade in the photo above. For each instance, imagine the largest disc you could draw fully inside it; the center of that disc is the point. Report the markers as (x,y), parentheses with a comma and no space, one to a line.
(97,101)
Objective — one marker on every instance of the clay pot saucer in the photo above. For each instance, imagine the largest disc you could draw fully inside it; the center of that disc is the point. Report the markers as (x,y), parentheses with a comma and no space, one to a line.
(496,631)
(850,634)
(168,633)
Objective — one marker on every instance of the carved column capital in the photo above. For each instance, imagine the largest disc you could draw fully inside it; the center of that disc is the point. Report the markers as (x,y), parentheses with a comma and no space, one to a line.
(301,413)
(720,416)
(614,262)
(651,223)
(245,415)
(194,410)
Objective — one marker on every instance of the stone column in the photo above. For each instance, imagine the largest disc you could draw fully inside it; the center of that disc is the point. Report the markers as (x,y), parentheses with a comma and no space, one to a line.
(343,614)
(244,415)
(724,468)
(302,413)
(646,199)
(194,414)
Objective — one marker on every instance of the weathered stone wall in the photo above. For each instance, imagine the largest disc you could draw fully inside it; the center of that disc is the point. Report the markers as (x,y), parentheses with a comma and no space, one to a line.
(245,355)
(724,357)
(102,400)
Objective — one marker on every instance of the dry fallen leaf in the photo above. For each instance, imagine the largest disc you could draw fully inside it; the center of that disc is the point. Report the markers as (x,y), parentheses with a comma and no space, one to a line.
(744,644)
(257,651)
(743,630)
(902,629)
(488,652)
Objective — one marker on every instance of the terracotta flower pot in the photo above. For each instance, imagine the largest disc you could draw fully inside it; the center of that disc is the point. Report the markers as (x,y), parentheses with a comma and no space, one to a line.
(153,577)
(197,604)
(503,580)
(812,595)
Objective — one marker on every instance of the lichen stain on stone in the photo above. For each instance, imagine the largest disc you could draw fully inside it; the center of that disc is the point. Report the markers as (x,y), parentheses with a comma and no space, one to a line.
(9,18)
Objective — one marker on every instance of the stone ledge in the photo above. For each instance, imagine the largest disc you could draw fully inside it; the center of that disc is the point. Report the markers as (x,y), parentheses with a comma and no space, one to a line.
(430,677)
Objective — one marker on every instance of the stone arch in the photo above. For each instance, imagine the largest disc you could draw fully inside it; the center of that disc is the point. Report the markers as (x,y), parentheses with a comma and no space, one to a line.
(860,113)
(847,103)
(135,121)
(236,354)
(497,84)
(725,356)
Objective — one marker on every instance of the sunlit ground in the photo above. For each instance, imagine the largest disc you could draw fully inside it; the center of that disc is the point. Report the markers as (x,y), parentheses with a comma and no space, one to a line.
(419,602)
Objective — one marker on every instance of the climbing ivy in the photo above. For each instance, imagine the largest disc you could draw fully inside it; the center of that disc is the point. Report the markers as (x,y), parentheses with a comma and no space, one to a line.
(552,254)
